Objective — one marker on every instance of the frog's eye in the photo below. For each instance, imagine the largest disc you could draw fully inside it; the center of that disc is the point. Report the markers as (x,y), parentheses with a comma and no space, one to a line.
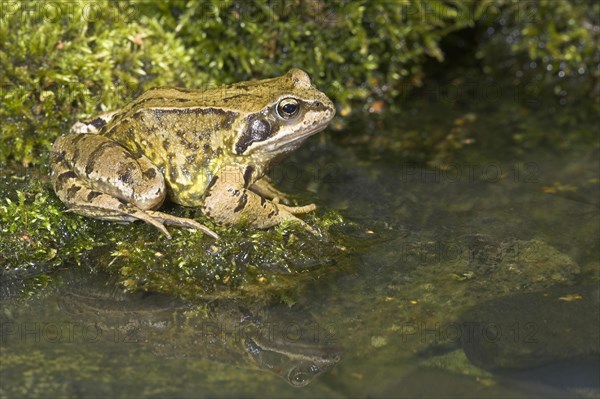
(288,108)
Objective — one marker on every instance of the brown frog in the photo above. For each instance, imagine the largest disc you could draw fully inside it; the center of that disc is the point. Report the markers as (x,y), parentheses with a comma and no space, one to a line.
(202,148)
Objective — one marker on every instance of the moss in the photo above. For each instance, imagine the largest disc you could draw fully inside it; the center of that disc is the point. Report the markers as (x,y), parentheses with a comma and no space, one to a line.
(243,261)
(555,35)
(65,61)
(38,238)
(550,50)
(36,232)
(352,49)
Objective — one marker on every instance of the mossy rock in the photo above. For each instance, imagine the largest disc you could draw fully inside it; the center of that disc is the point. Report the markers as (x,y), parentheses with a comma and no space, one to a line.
(38,237)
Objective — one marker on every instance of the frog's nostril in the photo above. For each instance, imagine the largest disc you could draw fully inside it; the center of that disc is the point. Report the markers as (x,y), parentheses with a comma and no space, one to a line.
(318,104)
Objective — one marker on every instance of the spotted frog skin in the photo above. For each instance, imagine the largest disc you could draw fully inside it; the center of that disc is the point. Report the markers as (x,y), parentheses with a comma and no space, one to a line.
(201,148)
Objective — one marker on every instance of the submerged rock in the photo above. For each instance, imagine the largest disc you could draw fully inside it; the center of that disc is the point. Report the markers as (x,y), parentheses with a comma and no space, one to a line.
(532,329)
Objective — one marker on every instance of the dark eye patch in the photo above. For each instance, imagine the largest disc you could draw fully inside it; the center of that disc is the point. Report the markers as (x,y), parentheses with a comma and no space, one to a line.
(258,130)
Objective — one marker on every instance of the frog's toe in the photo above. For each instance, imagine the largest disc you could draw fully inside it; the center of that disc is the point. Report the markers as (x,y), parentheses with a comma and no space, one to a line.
(156,224)
(306,226)
(265,189)
(310,229)
(295,210)
(181,222)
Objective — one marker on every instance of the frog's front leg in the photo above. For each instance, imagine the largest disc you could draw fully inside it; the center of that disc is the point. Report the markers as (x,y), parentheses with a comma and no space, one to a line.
(96,177)
(227,201)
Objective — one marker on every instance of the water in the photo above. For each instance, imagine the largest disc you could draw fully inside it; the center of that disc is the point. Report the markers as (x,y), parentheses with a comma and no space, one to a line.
(497,218)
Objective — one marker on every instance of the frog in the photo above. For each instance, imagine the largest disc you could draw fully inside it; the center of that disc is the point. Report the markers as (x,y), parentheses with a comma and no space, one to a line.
(206,148)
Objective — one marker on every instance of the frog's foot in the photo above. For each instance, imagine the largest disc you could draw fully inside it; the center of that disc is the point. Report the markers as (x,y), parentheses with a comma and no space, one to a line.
(264,187)
(181,222)
(127,213)
(231,204)
(130,213)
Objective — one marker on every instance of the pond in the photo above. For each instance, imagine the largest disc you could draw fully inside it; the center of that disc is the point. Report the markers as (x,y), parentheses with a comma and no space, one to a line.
(477,276)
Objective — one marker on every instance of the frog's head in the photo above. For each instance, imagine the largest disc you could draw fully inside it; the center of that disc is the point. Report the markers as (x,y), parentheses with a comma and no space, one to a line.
(286,111)
(297,364)
(283,341)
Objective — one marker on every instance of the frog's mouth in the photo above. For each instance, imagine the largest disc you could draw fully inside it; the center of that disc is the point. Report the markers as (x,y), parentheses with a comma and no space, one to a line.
(289,142)
(299,138)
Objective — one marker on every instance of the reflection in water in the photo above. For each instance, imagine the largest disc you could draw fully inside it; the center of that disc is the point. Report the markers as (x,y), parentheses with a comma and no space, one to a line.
(283,340)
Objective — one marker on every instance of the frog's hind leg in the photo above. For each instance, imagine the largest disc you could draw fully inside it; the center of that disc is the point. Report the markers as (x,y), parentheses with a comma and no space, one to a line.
(128,213)
(80,198)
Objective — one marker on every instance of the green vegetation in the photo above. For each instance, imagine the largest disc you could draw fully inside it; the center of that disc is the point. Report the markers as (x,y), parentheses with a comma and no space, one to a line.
(556,39)
(38,236)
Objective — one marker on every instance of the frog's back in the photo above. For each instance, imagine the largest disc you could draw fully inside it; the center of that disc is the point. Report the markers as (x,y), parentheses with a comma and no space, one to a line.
(186,143)
(190,134)
(242,97)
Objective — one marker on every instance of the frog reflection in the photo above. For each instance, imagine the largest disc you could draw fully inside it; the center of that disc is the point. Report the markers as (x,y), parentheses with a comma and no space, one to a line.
(285,341)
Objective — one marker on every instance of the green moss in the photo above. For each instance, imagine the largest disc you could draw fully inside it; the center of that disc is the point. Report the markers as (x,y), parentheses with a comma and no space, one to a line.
(557,35)
(36,232)
(352,50)
(543,56)
(38,237)
(243,261)
(63,61)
